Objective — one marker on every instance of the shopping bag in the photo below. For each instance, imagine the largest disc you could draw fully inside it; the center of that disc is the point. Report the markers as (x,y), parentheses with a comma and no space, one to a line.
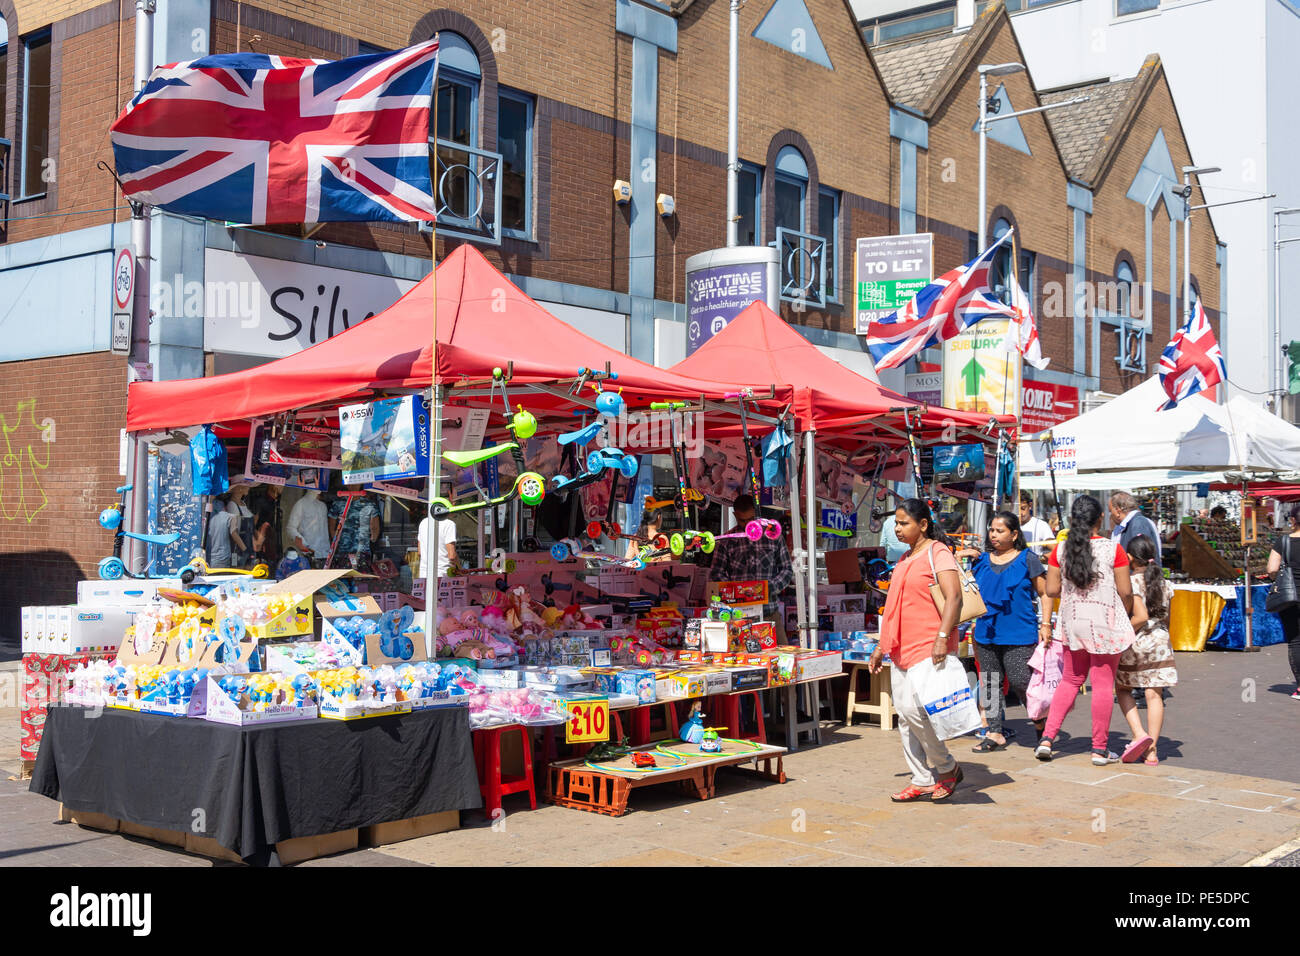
(945,694)
(1047,664)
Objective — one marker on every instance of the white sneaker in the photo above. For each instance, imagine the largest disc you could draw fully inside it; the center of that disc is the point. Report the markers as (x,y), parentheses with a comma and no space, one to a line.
(1100,760)
(1044,749)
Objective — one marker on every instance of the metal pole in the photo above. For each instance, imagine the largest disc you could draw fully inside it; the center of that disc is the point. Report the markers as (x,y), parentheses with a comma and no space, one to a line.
(137,505)
(984,139)
(810,453)
(732,130)
(1276,371)
(799,557)
(1187,247)
(435,460)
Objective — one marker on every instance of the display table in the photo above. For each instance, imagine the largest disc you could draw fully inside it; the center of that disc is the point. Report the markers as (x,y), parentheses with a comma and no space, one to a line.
(1212,615)
(251,788)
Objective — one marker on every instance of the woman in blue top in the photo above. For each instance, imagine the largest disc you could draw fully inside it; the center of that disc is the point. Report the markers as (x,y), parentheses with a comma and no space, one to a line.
(1009,576)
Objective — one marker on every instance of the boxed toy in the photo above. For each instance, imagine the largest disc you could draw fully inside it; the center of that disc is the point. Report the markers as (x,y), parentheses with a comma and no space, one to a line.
(811,664)
(739,592)
(764,632)
(680,683)
(259,699)
(637,683)
(748,678)
(124,592)
(605,679)
(716,680)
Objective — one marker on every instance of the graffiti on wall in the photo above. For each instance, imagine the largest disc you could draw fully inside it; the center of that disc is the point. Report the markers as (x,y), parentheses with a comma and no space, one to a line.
(26,454)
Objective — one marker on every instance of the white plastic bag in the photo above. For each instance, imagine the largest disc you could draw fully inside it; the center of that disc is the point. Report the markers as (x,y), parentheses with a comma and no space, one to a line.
(945,694)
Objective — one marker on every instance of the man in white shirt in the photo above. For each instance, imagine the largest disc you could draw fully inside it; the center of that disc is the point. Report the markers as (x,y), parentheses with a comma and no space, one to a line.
(446,546)
(1034,529)
(309,526)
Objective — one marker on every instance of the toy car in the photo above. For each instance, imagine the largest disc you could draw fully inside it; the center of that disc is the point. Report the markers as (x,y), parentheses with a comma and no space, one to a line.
(642,758)
(603,458)
(722,612)
(679,541)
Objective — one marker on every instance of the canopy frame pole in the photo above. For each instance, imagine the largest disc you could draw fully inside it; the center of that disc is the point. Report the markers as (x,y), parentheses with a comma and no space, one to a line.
(437,398)
(810,463)
(799,557)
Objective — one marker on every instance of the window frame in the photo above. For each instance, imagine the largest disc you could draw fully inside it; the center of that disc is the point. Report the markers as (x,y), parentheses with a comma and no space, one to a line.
(474,84)
(757,170)
(36,37)
(832,237)
(1155,8)
(530,159)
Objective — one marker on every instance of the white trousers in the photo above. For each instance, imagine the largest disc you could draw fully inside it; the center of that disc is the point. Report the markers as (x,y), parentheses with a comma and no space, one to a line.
(927,756)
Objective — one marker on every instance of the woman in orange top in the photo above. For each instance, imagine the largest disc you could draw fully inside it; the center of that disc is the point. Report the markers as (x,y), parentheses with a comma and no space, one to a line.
(911,630)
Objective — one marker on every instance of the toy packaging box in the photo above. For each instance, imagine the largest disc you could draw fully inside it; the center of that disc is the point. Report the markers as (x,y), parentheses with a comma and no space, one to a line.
(764,632)
(219,708)
(682,683)
(605,679)
(637,683)
(739,592)
(748,678)
(810,664)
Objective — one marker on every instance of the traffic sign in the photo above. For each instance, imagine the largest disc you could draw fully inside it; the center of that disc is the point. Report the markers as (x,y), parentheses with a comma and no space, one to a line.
(123,280)
(120,344)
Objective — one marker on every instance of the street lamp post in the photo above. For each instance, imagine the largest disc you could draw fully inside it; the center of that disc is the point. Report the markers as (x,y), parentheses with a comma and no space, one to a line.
(1278,243)
(733,162)
(1188,172)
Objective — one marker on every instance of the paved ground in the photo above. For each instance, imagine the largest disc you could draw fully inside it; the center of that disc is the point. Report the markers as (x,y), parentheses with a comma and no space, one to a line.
(1228,793)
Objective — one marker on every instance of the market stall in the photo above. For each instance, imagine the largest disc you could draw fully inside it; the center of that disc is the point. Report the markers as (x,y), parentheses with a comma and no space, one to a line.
(497,648)
(1128,444)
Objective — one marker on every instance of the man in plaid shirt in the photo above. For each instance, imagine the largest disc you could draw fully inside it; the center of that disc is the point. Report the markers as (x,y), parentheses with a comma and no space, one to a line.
(767,559)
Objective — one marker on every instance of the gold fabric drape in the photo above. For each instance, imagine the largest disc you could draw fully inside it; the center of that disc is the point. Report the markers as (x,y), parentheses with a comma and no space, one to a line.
(1193,616)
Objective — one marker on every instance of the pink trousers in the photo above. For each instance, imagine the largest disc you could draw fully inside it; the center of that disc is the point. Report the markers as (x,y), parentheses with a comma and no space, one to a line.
(1078,665)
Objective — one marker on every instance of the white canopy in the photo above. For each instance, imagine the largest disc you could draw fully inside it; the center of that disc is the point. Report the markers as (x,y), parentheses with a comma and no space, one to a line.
(1128,443)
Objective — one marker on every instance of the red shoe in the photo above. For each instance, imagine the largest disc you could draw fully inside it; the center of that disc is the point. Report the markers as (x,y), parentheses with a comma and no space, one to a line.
(913,792)
(946,785)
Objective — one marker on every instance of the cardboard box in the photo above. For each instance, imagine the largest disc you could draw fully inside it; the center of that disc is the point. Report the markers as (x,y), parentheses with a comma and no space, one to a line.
(298,619)
(681,684)
(27,632)
(302,849)
(221,709)
(810,665)
(332,708)
(382,834)
(848,622)
(847,604)
(130,657)
(124,592)
(503,678)
(739,593)
(156,834)
(715,636)
(765,633)
(691,657)
(637,683)
(716,681)
(93,821)
(97,627)
(747,678)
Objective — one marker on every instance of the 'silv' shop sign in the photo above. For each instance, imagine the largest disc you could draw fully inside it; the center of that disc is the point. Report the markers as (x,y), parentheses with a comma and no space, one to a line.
(257,306)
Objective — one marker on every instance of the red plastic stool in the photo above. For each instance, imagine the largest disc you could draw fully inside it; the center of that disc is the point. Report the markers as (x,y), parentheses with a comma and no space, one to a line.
(724,711)
(670,727)
(487,756)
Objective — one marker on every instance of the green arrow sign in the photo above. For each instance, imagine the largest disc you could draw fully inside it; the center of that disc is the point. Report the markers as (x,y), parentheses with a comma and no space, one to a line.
(971,375)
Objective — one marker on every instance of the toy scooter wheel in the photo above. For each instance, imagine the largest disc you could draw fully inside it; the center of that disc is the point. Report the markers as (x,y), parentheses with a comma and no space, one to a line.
(660,542)
(188,574)
(774,529)
(754,530)
(560,551)
(676,544)
(532,488)
(615,530)
(706,542)
(439,507)
(628,466)
(636,564)
(595,461)
(594,529)
(643,658)
(261,571)
(110,569)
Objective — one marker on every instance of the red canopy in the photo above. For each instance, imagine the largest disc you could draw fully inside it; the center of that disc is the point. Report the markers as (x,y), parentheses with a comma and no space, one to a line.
(484,321)
(827,397)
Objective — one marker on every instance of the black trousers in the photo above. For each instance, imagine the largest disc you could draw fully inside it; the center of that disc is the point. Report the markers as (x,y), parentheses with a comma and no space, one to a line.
(997,661)
(1291,629)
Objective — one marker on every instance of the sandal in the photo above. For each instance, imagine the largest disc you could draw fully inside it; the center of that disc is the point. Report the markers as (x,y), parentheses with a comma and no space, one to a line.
(1134,751)
(912,792)
(1151,759)
(946,785)
(987,746)
(1044,749)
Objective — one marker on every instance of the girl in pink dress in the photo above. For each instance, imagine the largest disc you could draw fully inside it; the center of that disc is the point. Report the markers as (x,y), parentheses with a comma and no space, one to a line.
(1090,574)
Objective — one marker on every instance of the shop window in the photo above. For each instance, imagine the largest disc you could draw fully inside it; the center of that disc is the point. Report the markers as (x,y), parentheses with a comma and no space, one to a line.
(515,143)
(1124,275)
(1003,272)
(459,77)
(828,222)
(36,113)
(791,189)
(801,254)
(749,204)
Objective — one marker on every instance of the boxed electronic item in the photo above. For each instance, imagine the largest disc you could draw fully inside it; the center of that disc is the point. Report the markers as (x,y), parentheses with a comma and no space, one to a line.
(561,679)
(637,683)
(716,680)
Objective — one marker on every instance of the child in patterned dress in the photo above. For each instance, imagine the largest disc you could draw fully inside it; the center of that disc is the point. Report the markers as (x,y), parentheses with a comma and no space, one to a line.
(1149,661)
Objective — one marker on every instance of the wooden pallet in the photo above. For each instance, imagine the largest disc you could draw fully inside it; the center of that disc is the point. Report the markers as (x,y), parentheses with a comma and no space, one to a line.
(573,784)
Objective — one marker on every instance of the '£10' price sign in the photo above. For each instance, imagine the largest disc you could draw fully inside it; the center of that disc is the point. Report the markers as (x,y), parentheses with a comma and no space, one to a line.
(588,722)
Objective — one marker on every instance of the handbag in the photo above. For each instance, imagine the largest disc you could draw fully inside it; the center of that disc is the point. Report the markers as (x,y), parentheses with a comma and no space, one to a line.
(972,602)
(1282,595)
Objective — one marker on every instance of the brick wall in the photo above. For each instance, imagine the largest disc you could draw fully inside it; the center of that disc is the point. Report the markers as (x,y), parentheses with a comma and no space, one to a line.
(52,491)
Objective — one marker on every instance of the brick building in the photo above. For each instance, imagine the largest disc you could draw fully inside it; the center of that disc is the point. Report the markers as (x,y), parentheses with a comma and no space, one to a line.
(838,140)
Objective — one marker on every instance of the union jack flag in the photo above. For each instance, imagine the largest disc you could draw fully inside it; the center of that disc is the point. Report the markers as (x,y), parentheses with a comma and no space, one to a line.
(1191,362)
(948,305)
(256,139)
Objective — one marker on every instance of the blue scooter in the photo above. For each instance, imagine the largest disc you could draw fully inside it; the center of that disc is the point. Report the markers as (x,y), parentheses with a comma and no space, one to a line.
(112,568)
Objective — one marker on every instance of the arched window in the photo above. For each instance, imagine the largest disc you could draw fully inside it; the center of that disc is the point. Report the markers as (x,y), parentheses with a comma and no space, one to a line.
(791,189)
(459,79)
(1000,274)
(1124,275)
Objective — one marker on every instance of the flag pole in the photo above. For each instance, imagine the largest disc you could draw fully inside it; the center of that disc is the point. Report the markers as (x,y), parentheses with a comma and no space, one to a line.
(431,542)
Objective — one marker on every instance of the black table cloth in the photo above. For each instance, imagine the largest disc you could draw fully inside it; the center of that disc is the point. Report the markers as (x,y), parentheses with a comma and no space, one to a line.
(251,787)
